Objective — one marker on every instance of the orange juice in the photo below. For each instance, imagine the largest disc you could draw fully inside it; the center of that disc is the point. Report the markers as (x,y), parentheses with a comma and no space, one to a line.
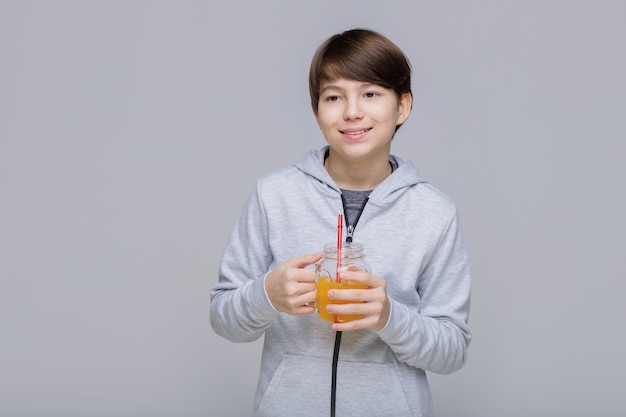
(325,283)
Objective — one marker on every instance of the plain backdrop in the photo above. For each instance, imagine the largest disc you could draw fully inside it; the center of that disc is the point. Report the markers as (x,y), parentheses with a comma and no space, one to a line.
(131,132)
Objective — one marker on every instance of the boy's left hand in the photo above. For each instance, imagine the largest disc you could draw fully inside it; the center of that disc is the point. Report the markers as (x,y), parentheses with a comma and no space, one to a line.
(374,304)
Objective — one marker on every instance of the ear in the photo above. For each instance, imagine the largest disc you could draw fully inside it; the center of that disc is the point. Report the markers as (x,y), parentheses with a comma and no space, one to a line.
(405,104)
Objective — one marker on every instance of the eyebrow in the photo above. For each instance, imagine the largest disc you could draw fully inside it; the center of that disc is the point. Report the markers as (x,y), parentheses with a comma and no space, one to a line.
(329,87)
(336,87)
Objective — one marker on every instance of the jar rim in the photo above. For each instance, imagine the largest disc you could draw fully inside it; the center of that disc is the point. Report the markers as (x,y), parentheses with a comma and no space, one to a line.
(348,249)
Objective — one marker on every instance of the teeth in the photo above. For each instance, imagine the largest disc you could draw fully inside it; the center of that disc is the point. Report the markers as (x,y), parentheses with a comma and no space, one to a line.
(356,133)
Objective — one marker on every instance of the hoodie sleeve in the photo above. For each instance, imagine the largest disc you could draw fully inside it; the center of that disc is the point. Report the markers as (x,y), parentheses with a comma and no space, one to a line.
(240,309)
(434,336)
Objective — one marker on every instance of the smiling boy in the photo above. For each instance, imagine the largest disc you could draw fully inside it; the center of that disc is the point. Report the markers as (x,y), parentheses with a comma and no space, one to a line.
(416,307)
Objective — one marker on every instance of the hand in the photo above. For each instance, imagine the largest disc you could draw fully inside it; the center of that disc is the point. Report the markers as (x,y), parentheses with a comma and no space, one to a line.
(374,306)
(291,287)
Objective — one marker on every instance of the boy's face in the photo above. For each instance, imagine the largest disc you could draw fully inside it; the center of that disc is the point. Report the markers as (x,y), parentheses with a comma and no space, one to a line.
(359,119)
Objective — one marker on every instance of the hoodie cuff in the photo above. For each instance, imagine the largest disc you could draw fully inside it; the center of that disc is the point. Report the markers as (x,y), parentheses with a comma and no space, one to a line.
(267,297)
(258,304)
(395,324)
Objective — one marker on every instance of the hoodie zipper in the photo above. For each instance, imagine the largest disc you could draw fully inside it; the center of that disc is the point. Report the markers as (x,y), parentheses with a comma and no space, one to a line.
(350,227)
(350,232)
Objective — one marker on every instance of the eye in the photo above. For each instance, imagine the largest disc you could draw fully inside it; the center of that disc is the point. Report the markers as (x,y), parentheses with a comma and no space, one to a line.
(371,94)
(332,98)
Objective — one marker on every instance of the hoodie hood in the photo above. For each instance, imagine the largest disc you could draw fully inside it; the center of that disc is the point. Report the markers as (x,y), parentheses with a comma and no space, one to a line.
(406,175)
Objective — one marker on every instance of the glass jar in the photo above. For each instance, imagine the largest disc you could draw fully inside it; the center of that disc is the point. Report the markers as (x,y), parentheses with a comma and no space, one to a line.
(352,259)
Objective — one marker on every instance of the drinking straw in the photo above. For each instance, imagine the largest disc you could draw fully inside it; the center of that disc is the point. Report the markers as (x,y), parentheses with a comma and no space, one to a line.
(339,243)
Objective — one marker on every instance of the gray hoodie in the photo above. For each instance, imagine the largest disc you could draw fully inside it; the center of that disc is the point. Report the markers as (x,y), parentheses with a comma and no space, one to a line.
(412,239)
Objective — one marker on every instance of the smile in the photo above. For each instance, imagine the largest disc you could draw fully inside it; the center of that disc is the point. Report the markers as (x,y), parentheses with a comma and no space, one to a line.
(355,132)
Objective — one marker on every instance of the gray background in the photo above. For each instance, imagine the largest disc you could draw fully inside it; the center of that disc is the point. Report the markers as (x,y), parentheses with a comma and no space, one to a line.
(131,133)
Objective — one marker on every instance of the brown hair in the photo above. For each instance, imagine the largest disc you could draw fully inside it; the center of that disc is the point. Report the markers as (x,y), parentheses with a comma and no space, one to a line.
(361,55)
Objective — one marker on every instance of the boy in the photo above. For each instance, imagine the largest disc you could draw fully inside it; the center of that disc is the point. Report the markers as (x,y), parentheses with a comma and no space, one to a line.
(416,307)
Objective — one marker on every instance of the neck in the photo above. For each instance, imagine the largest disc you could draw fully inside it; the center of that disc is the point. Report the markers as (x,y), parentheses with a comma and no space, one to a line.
(357,175)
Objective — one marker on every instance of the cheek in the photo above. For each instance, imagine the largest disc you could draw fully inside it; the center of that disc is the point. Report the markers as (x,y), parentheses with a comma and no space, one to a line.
(324,118)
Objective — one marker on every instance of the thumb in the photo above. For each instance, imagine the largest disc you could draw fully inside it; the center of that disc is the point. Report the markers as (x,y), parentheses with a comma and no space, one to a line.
(302,261)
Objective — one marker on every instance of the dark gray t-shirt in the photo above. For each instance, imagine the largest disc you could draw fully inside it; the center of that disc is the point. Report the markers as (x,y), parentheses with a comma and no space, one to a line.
(355,199)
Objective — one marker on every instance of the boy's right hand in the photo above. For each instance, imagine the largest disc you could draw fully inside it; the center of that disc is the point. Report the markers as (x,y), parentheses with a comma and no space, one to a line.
(291,286)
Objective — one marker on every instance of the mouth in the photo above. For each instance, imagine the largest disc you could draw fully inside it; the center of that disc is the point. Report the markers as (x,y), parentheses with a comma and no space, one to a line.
(352,132)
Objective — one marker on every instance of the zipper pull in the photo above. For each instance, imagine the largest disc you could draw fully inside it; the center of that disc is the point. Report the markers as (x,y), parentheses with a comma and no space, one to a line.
(349,235)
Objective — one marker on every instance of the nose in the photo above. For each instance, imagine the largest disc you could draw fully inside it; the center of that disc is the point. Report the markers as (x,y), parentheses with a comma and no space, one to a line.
(352,110)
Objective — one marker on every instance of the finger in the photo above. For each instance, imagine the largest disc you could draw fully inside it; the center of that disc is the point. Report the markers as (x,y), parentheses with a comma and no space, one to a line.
(347,309)
(296,309)
(364,309)
(369,317)
(351,295)
(362,277)
(304,304)
(308,298)
(303,310)
(306,288)
(364,323)
(300,275)
(356,276)
(302,261)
